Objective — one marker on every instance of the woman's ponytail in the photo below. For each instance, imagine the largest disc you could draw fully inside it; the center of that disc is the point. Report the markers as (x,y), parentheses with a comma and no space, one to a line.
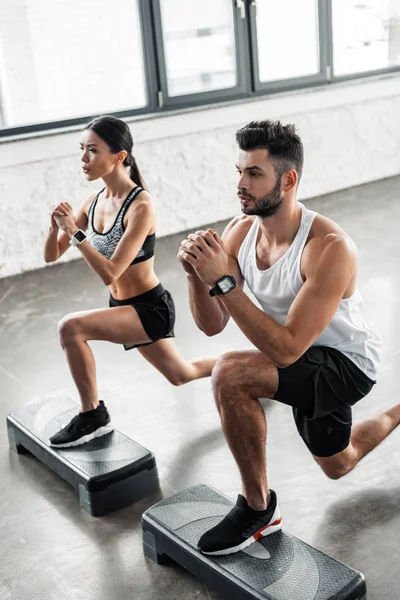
(134,172)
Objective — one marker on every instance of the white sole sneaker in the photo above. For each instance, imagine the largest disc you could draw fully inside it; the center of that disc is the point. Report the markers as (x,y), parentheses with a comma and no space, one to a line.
(274,526)
(106,429)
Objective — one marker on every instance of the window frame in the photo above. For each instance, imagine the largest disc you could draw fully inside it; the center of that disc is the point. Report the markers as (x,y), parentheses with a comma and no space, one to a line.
(150,82)
(323,75)
(201,98)
(248,84)
(357,74)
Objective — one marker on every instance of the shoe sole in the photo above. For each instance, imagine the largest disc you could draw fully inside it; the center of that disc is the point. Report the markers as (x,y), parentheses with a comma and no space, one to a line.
(263,532)
(105,430)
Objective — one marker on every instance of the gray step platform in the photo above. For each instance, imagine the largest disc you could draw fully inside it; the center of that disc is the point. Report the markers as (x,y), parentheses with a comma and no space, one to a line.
(278,567)
(108,473)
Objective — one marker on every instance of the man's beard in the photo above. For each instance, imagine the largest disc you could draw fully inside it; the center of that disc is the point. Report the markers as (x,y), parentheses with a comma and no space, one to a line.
(267,205)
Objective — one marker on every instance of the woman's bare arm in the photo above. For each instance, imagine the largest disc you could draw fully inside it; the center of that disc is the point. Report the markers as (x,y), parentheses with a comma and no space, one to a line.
(57,241)
(140,221)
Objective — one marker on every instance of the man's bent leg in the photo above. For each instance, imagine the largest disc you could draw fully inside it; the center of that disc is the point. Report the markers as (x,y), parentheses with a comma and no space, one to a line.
(365,436)
(239,379)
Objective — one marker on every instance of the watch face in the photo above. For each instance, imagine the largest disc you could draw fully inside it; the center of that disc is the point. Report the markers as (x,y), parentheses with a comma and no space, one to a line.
(79,235)
(225,285)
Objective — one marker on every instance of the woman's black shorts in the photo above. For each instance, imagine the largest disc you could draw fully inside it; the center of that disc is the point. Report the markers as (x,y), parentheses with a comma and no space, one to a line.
(322,386)
(156,312)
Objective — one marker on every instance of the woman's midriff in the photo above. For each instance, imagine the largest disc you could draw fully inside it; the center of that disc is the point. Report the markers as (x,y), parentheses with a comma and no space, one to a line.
(137,279)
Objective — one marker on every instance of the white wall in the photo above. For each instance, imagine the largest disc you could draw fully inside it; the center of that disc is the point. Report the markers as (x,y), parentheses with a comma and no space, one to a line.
(350,133)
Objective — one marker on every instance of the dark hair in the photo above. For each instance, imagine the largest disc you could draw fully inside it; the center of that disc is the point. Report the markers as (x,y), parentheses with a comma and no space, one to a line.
(284,146)
(117,135)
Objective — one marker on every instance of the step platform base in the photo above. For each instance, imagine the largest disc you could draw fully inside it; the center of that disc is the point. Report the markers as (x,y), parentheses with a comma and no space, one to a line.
(278,567)
(108,473)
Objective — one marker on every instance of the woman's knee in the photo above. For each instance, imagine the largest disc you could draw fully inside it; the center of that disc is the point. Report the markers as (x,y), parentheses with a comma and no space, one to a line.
(69,329)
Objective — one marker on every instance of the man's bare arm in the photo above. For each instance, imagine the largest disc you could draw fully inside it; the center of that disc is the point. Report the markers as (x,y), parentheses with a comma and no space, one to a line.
(332,267)
(209,313)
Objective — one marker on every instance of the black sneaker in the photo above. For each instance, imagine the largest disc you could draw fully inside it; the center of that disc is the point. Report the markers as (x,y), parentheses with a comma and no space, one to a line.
(83,428)
(241,527)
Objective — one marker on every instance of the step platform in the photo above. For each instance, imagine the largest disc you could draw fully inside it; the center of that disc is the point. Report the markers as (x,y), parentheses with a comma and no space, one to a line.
(278,567)
(108,473)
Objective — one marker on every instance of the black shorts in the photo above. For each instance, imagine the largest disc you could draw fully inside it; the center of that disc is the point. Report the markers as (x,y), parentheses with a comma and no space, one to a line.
(321,387)
(156,312)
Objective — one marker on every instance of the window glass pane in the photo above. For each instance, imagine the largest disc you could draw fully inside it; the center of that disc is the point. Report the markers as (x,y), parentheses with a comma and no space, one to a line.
(199,45)
(61,59)
(366,35)
(287,39)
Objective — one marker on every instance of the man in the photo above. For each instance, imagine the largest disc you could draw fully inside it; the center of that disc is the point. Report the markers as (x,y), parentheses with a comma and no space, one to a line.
(315,349)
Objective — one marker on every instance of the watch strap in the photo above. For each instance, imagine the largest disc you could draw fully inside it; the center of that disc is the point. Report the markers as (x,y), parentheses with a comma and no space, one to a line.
(217,291)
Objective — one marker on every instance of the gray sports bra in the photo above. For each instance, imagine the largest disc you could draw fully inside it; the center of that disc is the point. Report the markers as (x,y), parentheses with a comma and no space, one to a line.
(105,243)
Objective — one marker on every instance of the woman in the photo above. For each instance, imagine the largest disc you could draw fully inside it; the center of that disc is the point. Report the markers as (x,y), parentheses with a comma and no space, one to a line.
(114,230)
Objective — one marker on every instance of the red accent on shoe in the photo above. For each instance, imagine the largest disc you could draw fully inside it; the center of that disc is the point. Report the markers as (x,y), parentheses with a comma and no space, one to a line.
(259,535)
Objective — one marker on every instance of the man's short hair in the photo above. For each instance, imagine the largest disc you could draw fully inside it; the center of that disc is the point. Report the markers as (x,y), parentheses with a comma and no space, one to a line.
(284,146)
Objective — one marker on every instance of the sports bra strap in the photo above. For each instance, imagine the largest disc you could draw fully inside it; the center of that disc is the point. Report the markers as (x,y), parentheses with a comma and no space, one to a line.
(131,197)
(121,214)
(93,205)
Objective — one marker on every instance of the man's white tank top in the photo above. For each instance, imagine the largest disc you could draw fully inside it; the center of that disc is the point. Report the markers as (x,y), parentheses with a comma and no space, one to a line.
(276,288)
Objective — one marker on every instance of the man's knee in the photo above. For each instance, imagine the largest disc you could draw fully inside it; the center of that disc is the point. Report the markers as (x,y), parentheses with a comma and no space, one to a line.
(244,371)
(335,472)
(227,370)
(69,329)
(337,466)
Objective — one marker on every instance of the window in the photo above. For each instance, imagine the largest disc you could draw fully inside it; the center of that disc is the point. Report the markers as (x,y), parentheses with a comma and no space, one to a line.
(64,61)
(199,46)
(366,35)
(284,49)
(57,60)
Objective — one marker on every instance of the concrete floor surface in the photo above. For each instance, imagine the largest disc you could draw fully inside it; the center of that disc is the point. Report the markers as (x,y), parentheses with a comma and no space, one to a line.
(52,550)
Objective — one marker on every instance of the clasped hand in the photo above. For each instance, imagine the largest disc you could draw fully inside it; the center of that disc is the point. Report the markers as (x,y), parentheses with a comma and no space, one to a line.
(203,253)
(62,217)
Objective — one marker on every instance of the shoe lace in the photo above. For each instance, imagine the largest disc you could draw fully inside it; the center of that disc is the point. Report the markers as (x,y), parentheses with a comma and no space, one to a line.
(247,521)
(74,422)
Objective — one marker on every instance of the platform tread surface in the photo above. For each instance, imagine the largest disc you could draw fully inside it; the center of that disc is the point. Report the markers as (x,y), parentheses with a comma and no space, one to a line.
(278,567)
(101,456)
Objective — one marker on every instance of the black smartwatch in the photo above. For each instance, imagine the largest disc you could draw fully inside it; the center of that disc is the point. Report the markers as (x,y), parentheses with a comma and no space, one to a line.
(223,285)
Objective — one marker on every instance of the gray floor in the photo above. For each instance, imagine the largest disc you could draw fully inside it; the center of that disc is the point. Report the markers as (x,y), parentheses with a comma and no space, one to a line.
(50,549)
